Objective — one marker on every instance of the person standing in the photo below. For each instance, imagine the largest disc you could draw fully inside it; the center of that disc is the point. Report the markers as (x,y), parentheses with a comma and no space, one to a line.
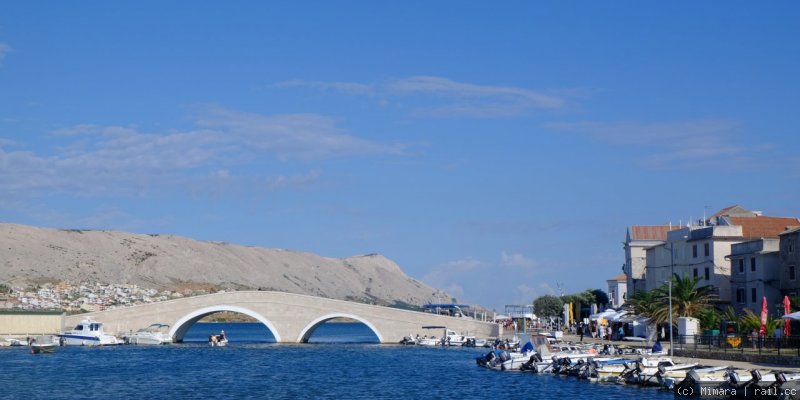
(580,330)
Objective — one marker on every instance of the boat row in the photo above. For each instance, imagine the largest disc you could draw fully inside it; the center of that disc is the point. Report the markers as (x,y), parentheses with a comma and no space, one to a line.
(449,337)
(657,370)
(90,333)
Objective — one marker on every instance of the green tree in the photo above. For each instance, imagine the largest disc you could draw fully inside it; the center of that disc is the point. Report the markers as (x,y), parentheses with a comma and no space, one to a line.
(709,318)
(646,304)
(600,297)
(687,298)
(548,306)
(751,320)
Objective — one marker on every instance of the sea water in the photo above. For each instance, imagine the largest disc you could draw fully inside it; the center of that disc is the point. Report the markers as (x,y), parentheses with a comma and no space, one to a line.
(340,363)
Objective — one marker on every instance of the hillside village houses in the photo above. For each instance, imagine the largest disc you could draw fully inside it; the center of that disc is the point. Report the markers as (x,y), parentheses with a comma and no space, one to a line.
(743,254)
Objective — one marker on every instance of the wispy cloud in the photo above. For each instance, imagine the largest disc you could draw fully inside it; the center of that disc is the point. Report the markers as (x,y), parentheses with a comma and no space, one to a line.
(516,260)
(292,136)
(4,50)
(448,98)
(671,142)
(120,160)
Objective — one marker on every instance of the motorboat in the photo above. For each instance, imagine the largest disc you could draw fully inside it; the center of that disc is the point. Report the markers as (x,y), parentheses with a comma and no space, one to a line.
(42,344)
(430,340)
(16,342)
(408,340)
(648,370)
(88,333)
(451,338)
(152,335)
(704,380)
(606,369)
(767,383)
(501,360)
(220,340)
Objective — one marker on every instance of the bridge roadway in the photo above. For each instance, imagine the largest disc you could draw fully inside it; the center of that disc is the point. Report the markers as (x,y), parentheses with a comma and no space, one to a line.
(291,318)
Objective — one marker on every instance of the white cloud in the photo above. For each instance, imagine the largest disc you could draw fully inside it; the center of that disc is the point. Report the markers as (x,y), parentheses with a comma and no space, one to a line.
(516,260)
(92,159)
(447,97)
(292,136)
(672,142)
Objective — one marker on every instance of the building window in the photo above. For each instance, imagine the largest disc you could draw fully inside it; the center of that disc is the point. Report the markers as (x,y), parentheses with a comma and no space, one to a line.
(791,246)
(753,295)
(753,264)
(792,274)
(707,249)
(741,265)
(694,273)
(708,274)
(694,251)
(740,295)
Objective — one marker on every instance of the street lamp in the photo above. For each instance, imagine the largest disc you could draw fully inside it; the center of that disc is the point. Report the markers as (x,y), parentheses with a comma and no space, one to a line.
(671,274)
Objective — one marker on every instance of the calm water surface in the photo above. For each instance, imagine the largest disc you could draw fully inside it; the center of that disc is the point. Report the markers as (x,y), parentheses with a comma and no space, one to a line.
(254,367)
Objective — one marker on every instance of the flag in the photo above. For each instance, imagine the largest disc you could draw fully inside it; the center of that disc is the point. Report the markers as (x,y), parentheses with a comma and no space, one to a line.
(787,309)
(764,311)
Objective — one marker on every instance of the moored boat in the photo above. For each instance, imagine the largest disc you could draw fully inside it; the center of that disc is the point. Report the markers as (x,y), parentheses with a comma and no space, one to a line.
(42,344)
(154,334)
(88,333)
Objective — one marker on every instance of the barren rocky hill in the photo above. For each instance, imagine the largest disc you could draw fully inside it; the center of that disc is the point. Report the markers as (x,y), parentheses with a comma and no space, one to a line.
(30,254)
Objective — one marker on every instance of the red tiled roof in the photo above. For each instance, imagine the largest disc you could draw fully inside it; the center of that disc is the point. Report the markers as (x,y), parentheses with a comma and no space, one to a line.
(651,232)
(619,278)
(766,227)
(724,211)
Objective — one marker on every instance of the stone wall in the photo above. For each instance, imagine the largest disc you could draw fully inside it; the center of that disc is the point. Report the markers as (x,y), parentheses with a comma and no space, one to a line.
(30,322)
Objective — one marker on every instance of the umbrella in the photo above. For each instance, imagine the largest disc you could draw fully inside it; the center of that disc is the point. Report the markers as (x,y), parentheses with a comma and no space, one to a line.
(787,309)
(763,330)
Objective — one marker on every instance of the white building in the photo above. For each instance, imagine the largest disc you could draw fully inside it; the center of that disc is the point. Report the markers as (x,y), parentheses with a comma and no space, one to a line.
(702,251)
(617,290)
(638,239)
(755,274)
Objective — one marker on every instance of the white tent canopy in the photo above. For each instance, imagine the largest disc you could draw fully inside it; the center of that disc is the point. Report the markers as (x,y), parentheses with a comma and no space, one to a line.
(794,316)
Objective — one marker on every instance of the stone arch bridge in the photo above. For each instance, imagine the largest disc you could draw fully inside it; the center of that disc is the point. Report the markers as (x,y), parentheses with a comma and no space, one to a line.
(291,318)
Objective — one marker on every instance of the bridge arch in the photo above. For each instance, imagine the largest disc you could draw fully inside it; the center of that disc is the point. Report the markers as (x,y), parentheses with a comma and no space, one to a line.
(305,334)
(179,328)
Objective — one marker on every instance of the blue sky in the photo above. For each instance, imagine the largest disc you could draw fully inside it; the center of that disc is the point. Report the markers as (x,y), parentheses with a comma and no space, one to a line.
(497,151)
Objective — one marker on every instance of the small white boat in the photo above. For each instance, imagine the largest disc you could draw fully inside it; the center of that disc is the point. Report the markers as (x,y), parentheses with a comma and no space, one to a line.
(154,334)
(220,340)
(88,333)
(16,342)
(43,344)
(430,340)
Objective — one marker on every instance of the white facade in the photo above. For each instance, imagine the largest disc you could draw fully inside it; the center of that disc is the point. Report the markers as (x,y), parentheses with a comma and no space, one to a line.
(696,252)
(617,290)
(755,274)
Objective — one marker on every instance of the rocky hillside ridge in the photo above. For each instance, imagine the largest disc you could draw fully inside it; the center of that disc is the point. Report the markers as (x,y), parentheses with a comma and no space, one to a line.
(31,254)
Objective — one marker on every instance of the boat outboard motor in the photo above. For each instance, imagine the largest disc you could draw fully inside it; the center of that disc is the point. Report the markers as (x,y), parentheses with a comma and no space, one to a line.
(662,369)
(536,357)
(780,377)
(693,375)
(733,377)
(504,356)
(756,375)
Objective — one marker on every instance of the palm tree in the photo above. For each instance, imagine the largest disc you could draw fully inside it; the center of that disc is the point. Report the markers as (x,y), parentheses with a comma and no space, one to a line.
(646,304)
(687,299)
